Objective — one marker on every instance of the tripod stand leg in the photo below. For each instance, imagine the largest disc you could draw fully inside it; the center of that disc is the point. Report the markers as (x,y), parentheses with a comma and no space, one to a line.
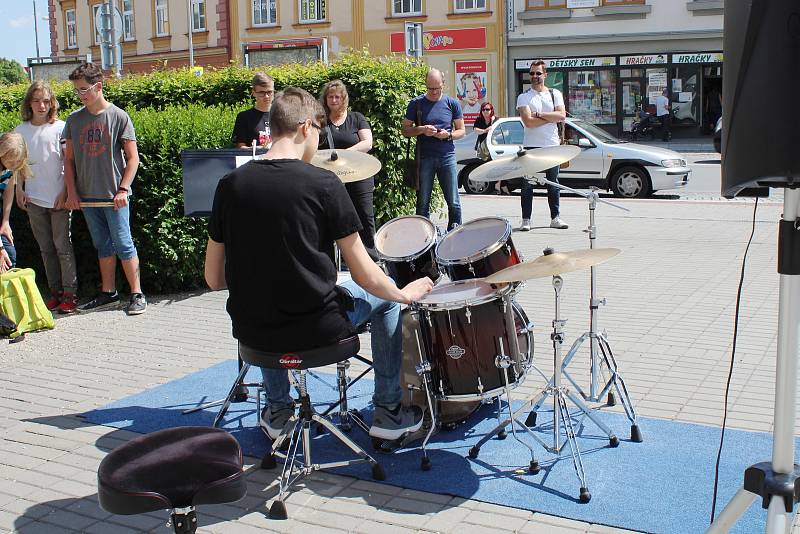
(731,513)
(226,404)
(619,385)
(613,440)
(569,429)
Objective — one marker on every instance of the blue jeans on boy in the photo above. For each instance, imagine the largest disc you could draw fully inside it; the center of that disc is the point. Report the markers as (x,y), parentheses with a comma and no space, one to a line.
(445,168)
(110,230)
(553,195)
(387,348)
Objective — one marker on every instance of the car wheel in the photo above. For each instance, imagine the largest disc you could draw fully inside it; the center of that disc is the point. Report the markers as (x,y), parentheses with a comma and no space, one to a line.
(631,182)
(473,188)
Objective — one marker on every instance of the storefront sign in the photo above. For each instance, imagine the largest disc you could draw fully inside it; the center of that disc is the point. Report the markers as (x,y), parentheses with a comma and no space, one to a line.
(443,40)
(471,88)
(577,4)
(568,62)
(699,57)
(650,59)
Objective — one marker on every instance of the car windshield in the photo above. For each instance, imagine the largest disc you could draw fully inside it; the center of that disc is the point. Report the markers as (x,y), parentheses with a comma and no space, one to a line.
(599,133)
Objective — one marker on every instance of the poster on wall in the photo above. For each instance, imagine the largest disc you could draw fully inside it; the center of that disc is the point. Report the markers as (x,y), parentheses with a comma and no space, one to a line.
(471,89)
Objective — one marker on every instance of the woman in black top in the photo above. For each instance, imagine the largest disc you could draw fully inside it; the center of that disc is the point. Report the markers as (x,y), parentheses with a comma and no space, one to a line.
(480,127)
(351,131)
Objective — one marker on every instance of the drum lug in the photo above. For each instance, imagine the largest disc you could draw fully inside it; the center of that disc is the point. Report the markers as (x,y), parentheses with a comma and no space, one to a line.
(423,367)
(480,386)
(508,249)
(468,315)
(471,270)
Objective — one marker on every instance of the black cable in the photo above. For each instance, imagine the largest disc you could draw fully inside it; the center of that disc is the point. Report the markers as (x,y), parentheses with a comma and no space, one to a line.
(733,359)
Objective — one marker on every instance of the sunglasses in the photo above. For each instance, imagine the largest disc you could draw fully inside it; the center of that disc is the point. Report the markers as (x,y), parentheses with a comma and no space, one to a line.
(537,74)
(486,109)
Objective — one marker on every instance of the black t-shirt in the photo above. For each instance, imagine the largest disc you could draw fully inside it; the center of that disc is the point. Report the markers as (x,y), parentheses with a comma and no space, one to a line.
(248,124)
(346,134)
(480,122)
(277,220)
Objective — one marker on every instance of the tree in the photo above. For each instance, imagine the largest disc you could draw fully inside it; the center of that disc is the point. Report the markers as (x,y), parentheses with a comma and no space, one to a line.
(11,72)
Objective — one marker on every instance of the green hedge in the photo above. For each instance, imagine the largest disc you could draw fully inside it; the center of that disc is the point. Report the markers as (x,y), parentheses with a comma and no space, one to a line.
(174,110)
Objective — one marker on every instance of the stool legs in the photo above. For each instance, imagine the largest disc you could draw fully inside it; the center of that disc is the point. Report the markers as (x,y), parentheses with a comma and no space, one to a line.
(298,430)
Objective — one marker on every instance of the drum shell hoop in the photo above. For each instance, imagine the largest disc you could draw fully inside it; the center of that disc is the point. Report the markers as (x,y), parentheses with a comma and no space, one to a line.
(481,254)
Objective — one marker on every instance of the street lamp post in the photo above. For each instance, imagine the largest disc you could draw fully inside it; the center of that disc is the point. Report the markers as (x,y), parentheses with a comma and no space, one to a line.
(36,28)
(191,25)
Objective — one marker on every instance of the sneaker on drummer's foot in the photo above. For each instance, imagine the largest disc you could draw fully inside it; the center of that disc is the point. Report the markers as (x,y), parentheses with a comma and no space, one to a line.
(391,424)
(525,226)
(273,423)
(558,223)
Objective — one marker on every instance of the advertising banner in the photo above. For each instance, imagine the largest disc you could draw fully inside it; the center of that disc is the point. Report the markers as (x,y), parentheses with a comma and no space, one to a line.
(444,40)
(649,59)
(471,89)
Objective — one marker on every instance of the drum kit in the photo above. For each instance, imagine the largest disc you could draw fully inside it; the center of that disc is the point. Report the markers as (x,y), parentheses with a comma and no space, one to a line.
(469,342)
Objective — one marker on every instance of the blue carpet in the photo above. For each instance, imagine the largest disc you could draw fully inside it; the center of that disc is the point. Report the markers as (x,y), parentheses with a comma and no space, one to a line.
(662,485)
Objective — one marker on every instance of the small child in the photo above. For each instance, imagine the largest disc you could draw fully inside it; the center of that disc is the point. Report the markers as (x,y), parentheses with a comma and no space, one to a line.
(13,164)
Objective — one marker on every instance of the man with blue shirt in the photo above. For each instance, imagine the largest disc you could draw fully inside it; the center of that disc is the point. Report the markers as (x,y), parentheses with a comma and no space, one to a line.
(436,120)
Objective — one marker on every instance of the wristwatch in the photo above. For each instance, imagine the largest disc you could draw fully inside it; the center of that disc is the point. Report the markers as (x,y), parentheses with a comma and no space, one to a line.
(450,136)
(123,188)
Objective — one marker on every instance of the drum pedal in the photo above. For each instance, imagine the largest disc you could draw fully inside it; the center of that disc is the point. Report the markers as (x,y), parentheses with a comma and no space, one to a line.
(391,445)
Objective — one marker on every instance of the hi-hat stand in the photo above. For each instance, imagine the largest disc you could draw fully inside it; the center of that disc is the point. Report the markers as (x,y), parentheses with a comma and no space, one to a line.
(778,482)
(599,347)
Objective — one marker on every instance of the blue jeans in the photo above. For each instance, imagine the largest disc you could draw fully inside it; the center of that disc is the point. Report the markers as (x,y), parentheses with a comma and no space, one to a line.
(553,195)
(445,168)
(387,350)
(10,250)
(111,231)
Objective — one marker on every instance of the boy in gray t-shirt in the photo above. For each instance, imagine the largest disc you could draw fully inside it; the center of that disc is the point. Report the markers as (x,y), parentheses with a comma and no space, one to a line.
(100,162)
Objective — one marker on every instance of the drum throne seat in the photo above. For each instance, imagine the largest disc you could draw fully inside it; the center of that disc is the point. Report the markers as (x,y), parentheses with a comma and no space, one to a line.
(297,456)
(175,469)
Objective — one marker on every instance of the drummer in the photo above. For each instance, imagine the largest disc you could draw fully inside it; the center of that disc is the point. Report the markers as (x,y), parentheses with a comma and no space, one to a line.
(282,287)
(351,131)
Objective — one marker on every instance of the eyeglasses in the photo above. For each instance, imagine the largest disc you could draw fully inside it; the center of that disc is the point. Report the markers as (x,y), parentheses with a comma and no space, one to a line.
(84,91)
(434,88)
(537,74)
(263,93)
(486,109)
(317,126)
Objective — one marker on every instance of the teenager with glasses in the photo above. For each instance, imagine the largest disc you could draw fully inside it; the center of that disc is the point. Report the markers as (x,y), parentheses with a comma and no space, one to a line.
(253,124)
(481,127)
(540,109)
(282,291)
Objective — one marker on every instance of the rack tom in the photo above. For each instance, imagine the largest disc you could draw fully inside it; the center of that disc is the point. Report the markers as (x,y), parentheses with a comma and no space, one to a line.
(477,249)
(407,246)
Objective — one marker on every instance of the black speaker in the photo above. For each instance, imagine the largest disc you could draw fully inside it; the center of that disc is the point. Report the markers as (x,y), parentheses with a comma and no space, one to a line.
(760,86)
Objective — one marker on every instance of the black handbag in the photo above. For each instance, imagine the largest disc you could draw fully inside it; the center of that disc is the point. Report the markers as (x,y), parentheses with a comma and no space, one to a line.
(410,166)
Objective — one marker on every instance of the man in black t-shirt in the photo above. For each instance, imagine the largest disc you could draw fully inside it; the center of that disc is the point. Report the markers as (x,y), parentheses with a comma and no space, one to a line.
(253,124)
(283,293)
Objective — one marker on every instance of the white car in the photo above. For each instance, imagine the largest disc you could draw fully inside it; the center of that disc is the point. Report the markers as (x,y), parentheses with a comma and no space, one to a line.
(628,169)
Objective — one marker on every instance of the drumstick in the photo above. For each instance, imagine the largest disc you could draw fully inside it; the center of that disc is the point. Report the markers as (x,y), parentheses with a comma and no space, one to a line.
(98,204)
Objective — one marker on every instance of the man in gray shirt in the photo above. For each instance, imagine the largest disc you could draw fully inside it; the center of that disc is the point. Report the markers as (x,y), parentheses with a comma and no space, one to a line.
(97,135)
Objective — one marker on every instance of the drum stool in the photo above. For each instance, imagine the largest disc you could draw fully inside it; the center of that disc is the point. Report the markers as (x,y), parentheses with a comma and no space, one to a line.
(298,428)
(175,469)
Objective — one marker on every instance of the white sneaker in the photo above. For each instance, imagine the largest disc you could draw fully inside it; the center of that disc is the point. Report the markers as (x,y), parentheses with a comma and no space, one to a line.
(525,226)
(558,223)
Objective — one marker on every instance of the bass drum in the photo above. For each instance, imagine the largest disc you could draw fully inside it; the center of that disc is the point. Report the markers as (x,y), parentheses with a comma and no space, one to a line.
(451,413)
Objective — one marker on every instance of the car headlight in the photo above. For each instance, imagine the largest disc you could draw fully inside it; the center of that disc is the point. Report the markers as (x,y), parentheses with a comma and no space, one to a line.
(673,162)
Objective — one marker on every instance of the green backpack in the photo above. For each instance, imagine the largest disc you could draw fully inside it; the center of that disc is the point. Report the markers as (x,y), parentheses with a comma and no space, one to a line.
(21,301)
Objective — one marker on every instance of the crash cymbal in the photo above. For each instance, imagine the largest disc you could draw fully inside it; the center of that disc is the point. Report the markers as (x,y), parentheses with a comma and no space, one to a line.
(349,165)
(524,163)
(553,264)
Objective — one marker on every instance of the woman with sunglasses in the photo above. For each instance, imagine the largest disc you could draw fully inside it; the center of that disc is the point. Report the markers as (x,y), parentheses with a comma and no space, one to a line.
(481,127)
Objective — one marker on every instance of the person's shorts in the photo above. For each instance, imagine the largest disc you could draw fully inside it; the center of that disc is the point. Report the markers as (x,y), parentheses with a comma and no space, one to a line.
(111,231)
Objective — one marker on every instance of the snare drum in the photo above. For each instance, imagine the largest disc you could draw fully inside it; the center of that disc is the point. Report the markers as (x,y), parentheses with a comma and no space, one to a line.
(406,245)
(462,324)
(477,249)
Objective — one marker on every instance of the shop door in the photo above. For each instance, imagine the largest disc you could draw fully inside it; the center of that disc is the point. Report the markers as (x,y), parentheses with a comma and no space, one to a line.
(631,104)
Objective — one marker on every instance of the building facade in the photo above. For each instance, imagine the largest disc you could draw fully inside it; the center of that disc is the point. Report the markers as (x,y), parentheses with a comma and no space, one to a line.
(611,58)
(463,38)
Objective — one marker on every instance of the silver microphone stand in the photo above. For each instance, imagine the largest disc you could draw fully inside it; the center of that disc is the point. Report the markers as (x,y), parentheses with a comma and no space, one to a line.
(599,347)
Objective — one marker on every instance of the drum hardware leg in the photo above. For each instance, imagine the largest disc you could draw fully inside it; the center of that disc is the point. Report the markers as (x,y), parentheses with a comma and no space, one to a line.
(502,434)
(503,362)
(239,392)
(424,371)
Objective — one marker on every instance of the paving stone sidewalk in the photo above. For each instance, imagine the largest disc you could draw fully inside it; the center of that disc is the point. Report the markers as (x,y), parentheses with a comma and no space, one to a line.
(669,318)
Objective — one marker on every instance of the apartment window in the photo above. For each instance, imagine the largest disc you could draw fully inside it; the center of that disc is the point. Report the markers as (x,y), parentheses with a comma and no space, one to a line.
(72,36)
(128,26)
(98,38)
(198,15)
(470,5)
(621,2)
(546,4)
(264,12)
(312,10)
(406,7)
(162,18)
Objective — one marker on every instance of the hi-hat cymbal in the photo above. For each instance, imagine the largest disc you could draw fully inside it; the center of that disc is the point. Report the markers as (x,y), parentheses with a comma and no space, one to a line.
(349,165)
(553,264)
(529,163)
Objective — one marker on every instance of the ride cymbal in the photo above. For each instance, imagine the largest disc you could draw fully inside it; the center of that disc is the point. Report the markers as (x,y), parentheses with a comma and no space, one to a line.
(553,264)
(349,165)
(524,163)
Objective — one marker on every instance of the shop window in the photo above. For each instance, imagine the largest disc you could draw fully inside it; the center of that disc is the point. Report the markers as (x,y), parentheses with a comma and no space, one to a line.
(621,2)
(406,7)
(470,5)
(312,10)
(69,22)
(198,15)
(545,4)
(264,12)
(683,95)
(128,26)
(593,96)
(162,18)
(508,133)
